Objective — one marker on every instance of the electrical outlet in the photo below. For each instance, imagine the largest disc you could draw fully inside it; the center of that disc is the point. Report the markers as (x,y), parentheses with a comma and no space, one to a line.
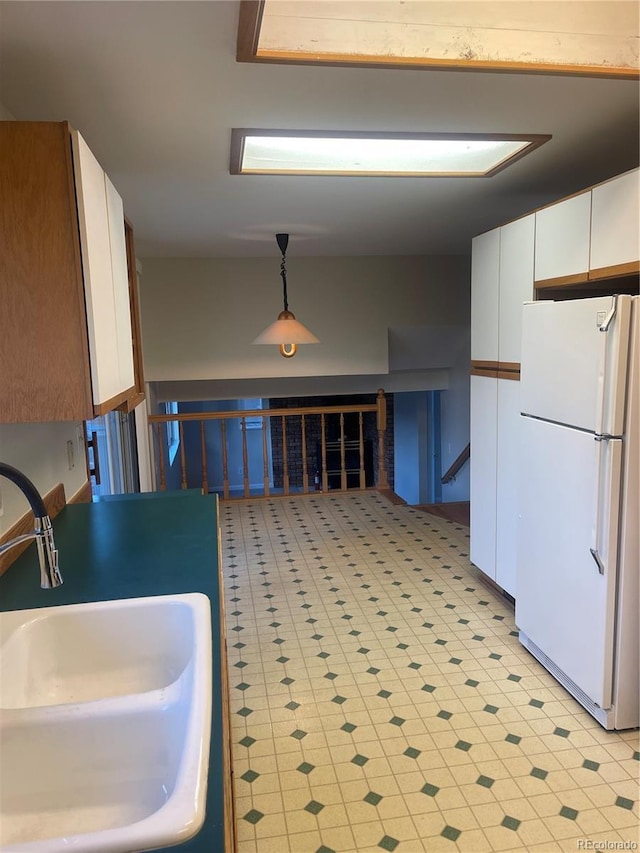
(70,455)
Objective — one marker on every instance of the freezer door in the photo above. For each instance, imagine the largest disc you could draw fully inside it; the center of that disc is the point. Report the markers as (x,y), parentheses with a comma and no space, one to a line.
(567,551)
(572,372)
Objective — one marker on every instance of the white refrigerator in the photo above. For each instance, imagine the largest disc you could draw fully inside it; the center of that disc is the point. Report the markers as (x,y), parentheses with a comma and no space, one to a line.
(577,594)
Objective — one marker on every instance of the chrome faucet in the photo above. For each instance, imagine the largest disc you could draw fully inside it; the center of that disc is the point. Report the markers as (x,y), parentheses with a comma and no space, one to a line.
(43,532)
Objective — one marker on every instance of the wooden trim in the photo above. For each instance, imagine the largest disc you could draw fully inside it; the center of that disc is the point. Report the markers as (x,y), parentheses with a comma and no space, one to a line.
(562,281)
(116,403)
(203,460)
(505,366)
(160,449)
(265,456)
(84,495)
(225,459)
(615,271)
(132,402)
(284,57)
(479,364)
(296,410)
(134,305)
(496,373)
(228,778)
(54,501)
(305,463)
(476,371)
(183,461)
(249,24)
(382,427)
(245,458)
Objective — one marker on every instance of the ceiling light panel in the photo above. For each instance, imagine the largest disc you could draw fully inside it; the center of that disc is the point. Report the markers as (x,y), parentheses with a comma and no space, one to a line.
(261,152)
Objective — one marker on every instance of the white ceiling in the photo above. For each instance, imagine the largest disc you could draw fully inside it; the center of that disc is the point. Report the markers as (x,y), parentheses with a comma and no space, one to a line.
(155,89)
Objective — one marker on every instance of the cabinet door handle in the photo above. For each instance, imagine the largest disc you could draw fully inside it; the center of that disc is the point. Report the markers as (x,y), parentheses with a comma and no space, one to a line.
(93,444)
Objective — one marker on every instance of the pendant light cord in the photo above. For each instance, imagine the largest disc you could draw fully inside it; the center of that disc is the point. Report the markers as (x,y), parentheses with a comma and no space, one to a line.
(283,274)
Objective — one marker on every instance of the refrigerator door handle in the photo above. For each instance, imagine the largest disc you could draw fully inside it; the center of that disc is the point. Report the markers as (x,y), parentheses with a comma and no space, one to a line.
(607,496)
(599,562)
(604,326)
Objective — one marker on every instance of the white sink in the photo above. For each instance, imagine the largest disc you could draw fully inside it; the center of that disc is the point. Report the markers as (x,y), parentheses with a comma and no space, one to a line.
(105,724)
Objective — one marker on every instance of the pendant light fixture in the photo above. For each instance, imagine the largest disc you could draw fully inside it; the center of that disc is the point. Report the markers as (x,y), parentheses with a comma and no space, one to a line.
(286,331)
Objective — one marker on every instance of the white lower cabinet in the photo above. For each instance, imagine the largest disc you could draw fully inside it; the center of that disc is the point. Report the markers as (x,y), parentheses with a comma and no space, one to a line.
(484,427)
(495,422)
(508,450)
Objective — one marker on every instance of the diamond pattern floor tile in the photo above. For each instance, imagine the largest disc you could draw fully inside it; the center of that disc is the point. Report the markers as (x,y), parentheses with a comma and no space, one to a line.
(382,701)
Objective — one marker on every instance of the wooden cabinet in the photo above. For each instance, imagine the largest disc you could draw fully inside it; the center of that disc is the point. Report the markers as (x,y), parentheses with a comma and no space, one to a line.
(66,346)
(562,241)
(615,227)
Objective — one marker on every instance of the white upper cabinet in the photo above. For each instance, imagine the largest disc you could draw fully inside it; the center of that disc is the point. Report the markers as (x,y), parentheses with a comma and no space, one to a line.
(120,274)
(615,223)
(516,284)
(562,239)
(485,276)
(104,263)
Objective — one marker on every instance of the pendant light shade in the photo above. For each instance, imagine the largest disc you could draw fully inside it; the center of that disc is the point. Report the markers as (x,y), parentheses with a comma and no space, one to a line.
(286,332)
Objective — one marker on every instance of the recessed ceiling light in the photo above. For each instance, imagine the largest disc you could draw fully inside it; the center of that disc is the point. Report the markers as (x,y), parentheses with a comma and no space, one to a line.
(356,153)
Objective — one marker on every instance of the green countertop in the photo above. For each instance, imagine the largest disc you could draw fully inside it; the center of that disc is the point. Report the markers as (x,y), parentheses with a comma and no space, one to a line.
(141,545)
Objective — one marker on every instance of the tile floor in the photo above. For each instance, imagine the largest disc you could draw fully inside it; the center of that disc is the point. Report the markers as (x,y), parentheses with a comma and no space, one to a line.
(380,700)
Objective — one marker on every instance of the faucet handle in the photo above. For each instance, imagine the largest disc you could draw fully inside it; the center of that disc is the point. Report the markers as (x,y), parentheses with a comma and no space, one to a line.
(50,576)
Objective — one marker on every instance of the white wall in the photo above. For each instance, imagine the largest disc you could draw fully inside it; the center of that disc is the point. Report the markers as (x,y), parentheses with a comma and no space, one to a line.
(398,323)
(200,316)
(40,451)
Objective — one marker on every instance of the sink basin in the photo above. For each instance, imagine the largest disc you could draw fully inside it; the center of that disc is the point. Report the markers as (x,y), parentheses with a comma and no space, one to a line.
(105,724)
(79,653)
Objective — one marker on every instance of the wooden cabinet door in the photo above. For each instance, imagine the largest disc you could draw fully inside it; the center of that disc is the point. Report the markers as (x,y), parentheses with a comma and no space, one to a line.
(44,373)
(615,226)
(562,240)
(507,455)
(484,422)
(485,275)
(516,284)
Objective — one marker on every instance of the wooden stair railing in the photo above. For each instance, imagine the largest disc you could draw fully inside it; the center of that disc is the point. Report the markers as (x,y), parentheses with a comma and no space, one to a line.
(456,465)
(289,434)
